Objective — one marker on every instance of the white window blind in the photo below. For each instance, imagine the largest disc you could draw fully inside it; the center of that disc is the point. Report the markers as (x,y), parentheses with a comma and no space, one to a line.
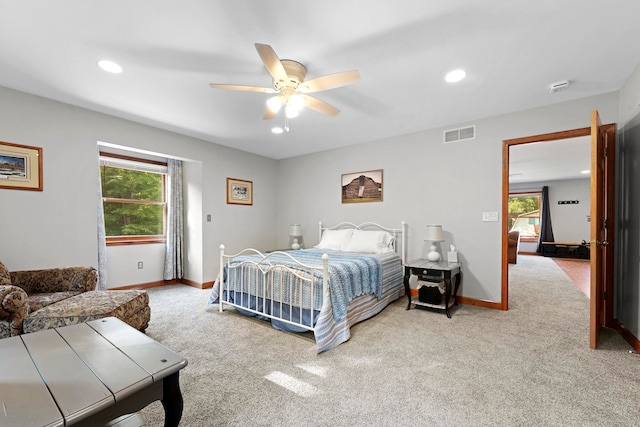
(131,164)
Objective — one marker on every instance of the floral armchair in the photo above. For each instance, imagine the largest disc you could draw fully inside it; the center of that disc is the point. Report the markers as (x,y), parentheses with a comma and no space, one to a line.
(23,292)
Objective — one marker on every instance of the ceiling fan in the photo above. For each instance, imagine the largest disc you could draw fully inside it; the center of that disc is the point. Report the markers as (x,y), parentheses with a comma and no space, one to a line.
(290,86)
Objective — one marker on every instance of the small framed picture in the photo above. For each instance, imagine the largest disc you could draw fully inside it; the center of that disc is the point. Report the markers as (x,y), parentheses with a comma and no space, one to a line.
(239,192)
(20,167)
(359,187)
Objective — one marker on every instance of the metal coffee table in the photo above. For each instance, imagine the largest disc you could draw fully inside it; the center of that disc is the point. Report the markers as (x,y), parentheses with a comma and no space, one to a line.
(86,375)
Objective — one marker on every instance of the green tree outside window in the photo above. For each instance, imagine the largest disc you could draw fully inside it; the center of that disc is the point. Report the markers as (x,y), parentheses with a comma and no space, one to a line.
(134,202)
(524,214)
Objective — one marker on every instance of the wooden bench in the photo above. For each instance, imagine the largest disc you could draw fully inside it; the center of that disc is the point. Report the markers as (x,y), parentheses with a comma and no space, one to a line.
(579,250)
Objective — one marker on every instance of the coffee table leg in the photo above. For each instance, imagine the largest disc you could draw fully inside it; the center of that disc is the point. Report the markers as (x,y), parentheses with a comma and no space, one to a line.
(172,400)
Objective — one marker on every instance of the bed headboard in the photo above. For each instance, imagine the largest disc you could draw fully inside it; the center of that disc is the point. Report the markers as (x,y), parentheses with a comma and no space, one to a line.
(399,234)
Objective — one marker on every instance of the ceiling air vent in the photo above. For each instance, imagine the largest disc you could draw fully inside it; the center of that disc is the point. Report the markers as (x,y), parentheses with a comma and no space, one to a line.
(461,134)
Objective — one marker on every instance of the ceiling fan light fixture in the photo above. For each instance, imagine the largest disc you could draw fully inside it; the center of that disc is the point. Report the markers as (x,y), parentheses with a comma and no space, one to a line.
(295,102)
(274,103)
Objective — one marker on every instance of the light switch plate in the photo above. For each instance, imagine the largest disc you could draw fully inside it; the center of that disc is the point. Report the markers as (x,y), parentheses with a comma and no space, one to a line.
(489,216)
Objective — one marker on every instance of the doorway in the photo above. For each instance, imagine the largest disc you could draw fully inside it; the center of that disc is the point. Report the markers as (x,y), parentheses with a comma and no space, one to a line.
(605,188)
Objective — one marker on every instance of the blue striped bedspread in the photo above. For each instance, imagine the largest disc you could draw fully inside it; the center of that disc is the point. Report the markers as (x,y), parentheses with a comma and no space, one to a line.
(350,275)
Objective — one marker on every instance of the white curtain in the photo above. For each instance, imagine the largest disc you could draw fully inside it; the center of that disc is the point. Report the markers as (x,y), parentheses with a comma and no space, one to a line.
(102,238)
(173,251)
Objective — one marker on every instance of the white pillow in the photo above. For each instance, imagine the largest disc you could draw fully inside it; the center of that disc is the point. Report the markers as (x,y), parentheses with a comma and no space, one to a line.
(370,241)
(335,239)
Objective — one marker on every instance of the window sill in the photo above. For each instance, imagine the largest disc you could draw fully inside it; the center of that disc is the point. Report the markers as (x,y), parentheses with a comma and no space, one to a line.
(120,241)
(529,239)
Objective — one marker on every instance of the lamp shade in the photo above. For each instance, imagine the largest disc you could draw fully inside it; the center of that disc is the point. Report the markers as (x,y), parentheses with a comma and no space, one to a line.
(295,230)
(274,103)
(434,233)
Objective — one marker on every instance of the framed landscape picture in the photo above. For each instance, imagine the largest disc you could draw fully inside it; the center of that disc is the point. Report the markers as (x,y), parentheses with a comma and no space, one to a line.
(20,167)
(359,187)
(239,192)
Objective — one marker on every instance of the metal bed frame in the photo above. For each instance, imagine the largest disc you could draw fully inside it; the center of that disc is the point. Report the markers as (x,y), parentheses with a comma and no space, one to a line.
(277,296)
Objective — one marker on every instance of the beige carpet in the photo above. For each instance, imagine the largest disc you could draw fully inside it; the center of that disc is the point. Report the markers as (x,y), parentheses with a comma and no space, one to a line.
(529,366)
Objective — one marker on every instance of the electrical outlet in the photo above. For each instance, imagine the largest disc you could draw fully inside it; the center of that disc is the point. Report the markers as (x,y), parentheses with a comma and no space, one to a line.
(139,264)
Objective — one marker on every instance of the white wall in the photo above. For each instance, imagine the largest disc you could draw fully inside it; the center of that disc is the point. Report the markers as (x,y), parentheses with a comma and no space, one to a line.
(629,98)
(56,227)
(122,269)
(194,220)
(427,182)
(569,222)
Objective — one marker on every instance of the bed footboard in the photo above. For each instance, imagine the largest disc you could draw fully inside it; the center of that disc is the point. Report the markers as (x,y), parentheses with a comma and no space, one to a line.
(264,285)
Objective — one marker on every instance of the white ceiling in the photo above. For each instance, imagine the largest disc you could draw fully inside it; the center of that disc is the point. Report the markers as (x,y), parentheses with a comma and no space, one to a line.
(171,51)
(550,160)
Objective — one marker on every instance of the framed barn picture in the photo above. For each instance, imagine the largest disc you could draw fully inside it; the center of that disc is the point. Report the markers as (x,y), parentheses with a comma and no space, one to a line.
(20,167)
(359,187)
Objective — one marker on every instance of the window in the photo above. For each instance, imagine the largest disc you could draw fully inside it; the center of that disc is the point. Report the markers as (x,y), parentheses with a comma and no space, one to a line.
(524,214)
(134,199)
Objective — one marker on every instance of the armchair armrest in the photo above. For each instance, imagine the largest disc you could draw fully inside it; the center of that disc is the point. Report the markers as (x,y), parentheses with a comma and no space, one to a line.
(14,307)
(78,279)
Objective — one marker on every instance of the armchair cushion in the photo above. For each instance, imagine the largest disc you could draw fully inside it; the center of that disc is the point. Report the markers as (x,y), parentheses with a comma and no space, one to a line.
(38,301)
(69,279)
(14,308)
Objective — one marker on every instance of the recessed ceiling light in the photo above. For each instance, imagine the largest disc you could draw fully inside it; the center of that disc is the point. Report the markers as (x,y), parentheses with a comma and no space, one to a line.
(277,130)
(587,171)
(455,76)
(110,66)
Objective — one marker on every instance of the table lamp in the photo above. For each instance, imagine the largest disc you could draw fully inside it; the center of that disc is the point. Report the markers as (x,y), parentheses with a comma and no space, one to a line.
(295,231)
(434,234)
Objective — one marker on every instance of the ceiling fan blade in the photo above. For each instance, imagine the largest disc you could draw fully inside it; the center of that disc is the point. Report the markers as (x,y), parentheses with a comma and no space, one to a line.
(271,62)
(269,114)
(319,106)
(244,88)
(329,81)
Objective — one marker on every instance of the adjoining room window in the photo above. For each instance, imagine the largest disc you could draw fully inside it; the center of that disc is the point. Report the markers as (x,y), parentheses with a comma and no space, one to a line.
(524,214)
(134,199)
